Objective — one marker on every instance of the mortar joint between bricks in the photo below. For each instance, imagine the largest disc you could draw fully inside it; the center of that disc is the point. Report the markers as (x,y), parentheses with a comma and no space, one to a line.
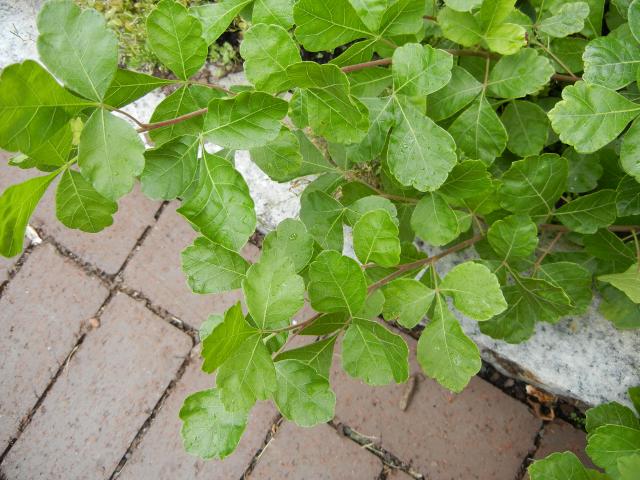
(269,436)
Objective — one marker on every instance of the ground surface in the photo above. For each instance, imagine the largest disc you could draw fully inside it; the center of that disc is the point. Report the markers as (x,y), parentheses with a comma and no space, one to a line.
(97,334)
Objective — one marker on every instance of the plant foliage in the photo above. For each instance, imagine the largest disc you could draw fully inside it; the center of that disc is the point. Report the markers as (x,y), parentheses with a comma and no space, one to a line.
(462,123)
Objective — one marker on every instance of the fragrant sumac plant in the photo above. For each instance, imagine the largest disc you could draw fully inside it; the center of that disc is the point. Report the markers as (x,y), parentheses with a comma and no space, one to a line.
(465,125)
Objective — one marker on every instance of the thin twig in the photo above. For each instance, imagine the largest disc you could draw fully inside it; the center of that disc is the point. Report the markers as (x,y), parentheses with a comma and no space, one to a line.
(122,112)
(214,86)
(152,126)
(546,251)
(612,228)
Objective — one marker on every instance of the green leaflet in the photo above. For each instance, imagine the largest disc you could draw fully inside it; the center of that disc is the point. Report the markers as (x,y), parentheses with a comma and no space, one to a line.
(559,466)
(567,18)
(445,353)
(478,132)
(612,61)
(463,5)
(527,126)
(403,17)
(110,154)
(534,184)
(634,19)
(514,237)
(610,443)
(17,204)
(434,221)
(268,50)
(318,355)
(79,206)
(373,354)
(176,38)
(588,213)
(628,197)
(128,86)
(356,210)
(273,12)
(420,69)
(590,116)
(630,151)
(611,413)
(77,46)
(171,169)
(322,214)
(209,430)
(454,96)
(216,17)
(375,239)
(250,119)
(628,282)
(221,207)
(289,239)
(281,158)
(303,395)
(212,268)
(225,338)
(585,170)
(524,73)
(407,301)
(33,107)
(273,292)
(323,26)
(371,11)
(413,162)
(574,279)
(467,179)
(475,290)
(336,284)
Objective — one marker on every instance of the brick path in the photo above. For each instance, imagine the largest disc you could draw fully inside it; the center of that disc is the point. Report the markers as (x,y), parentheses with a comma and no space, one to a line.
(98,340)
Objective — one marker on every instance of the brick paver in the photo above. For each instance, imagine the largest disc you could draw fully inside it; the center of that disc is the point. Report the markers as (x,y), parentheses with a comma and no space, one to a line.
(318,453)
(108,249)
(6,264)
(156,271)
(41,314)
(101,400)
(480,433)
(160,455)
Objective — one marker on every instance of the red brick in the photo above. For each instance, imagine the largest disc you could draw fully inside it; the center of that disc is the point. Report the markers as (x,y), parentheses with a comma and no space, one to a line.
(160,455)
(41,312)
(480,433)
(156,271)
(108,249)
(318,453)
(97,405)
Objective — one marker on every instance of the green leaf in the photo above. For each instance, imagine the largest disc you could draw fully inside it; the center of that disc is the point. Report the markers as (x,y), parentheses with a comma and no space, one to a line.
(208,429)
(406,301)
(534,184)
(593,24)
(478,132)
(110,154)
(630,150)
(268,50)
(567,19)
(585,170)
(634,19)
(17,204)
(128,86)
(611,413)
(371,11)
(375,239)
(527,126)
(494,12)
(363,205)
(475,290)
(336,284)
(574,279)
(588,213)
(629,466)
(459,27)
(280,159)
(434,221)
(326,324)
(506,39)
(616,307)
(209,325)
(559,466)
(322,215)
(519,75)
(337,115)
(627,281)
(609,443)
(462,5)
(454,96)
(420,69)
(318,355)
(225,339)
(216,17)
(247,375)
(250,119)
(445,353)
(323,26)
(612,61)
(606,245)
(313,161)
(176,38)
(403,17)
(77,47)
(303,395)
(33,107)
(467,179)
(79,206)
(569,51)
(170,169)
(628,197)
(373,354)
(514,237)
(212,268)
(590,116)
(273,12)
(289,239)
(221,207)
(414,162)
(273,292)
